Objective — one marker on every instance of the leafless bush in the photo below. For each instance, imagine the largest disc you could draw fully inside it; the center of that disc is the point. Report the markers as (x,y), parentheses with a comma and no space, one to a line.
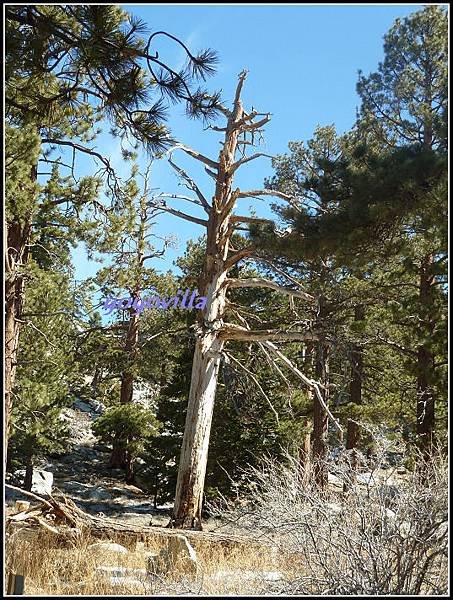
(380,533)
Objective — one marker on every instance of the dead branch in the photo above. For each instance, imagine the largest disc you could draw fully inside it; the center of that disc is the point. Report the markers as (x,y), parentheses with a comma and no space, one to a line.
(247,159)
(191,185)
(182,215)
(309,382)
(231,331)
(255,282)
(256,382)
(197,155)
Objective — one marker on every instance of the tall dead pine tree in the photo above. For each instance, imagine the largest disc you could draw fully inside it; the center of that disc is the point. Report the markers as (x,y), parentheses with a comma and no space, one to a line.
(211,331)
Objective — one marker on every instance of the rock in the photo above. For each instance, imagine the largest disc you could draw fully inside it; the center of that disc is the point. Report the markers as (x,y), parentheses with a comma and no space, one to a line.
(366,479)
(99,493)
(108,547)
(82,406)
(102,447)
(41,481)
(22,505)
(120,571)
(390,514)
(334,480)
(97,406)
(80,489)
(177,556)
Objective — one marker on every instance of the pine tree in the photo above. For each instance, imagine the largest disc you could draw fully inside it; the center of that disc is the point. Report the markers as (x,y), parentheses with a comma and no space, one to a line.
(67,67)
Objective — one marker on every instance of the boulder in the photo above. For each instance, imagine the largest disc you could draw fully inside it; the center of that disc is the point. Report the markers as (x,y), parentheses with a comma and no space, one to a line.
(82,406)
(99,494)
(334,480)
(22,505)
(74,487)
(177,557)
(97,406)
(41,481)
(108,547)
(120,571)
(366,479)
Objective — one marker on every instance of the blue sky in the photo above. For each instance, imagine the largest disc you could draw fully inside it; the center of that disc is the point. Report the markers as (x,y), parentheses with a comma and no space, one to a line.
(303,63)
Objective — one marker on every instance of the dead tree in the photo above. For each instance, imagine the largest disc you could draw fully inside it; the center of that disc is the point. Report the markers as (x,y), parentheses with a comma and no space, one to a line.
(211,331)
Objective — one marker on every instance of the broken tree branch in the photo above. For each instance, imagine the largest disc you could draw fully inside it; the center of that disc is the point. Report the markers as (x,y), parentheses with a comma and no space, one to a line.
(194,154)
(309,382)
(191,185)
(255,282)
(231,331)
(256,382)
(247,159)
(182,215)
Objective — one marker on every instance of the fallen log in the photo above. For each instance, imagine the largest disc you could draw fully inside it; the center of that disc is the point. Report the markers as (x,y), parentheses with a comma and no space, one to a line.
(67,518)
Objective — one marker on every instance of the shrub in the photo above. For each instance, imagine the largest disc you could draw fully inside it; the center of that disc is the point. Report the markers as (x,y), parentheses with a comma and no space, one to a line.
(128,426)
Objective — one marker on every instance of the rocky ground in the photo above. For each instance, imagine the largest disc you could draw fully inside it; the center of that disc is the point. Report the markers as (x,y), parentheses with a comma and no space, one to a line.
(83,474)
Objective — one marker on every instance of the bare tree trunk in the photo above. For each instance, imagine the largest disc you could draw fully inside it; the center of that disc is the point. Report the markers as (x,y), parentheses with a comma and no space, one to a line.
(129,466)
(17,237)
(118,458)
(320,416)
(211,332)
(208,347)
(16,258)
(355,389)
(425,362)
(305,451)
(355,397)
(28,481)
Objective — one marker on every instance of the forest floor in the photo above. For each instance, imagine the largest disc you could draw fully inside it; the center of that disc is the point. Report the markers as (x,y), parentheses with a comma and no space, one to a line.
(82,475)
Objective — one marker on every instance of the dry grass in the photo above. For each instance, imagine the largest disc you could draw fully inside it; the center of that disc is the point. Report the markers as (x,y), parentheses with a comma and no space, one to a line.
(51,570)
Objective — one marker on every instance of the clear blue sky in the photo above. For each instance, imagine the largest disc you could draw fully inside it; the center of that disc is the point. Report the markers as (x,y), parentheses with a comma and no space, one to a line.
(303,63)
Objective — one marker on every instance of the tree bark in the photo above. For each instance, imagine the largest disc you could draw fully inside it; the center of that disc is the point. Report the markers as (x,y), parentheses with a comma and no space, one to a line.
(355,389)
(305,450)
(28,481)
(208,347)
(425,361)
(320,416)
(118,458)
(16,258)
(355,397)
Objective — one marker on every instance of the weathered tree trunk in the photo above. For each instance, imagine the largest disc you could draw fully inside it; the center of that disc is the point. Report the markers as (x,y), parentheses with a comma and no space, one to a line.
(17,238)
(16,258)
(355,397)
(425,361)
(208,347)
(129,467)
(28,481)
(355,389)
(211,332)
(305,451)
(118,458)
(320,416)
